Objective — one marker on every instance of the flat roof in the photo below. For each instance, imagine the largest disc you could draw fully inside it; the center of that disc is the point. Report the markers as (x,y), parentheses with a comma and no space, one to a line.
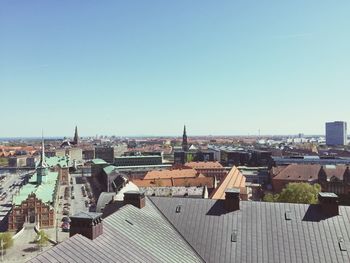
(138,157)
(99,161)
(325,194)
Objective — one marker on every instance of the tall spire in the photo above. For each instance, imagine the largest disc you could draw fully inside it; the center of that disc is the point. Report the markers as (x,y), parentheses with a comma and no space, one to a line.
(42,169)
(184,140)
(42,157)
(76,137)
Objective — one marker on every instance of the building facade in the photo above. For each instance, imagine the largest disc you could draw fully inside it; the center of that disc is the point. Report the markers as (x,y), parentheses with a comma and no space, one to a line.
(31,210)
(105,153)
(34,203)
(336,133)
(138,160)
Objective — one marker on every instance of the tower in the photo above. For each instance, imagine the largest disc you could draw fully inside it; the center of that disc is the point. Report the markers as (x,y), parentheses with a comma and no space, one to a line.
(42,169)
(184,140)
(76,137)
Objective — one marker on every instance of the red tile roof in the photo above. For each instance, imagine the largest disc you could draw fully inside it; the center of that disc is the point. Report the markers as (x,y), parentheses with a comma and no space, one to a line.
(307,172)
(176,173)
(186,182)
(234,179)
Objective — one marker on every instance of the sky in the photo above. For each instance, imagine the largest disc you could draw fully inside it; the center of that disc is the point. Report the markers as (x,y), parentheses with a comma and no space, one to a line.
(148,67)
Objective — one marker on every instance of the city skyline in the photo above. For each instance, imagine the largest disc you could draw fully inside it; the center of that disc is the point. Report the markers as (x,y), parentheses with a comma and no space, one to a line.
(133,69)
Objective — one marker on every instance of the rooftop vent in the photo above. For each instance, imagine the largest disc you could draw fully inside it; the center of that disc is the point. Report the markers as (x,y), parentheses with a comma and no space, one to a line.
(129,222)
(342,245)
(178,209)
(288,215)
(234,236)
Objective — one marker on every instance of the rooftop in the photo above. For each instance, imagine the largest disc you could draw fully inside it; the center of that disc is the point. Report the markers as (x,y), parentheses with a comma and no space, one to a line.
(98,161)
(234,179)
(204,165)
(176,173)
(87,215)
(44,191)
(201,230)
(130,235)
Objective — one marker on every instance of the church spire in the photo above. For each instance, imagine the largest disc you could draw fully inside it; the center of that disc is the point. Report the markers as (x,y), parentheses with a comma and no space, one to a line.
(42,155)
(76,137)
(184,140)
(42,169)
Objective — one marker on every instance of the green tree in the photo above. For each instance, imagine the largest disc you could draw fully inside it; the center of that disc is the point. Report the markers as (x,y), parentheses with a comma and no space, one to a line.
(189,158)
(270,197)
(6,240)
(300,193)
(42,239)
(4,162)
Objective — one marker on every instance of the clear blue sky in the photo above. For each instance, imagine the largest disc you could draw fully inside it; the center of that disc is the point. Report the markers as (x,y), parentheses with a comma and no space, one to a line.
(148,67)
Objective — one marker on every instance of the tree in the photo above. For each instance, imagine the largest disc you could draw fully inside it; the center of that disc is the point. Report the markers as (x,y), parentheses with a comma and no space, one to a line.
(189,158)
(270,197)
(300,193)
(6,239)
(42,239)
(6,242)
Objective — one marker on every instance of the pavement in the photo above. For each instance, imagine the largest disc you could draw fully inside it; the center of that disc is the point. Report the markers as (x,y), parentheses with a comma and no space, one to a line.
(24,247)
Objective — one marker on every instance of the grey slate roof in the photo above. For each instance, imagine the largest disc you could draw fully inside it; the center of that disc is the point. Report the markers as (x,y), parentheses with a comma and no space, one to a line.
(197,230)
(129,235)
(262,232)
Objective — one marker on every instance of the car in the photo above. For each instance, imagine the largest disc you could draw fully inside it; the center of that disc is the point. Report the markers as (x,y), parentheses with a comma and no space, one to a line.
(65,219)
(65,226)
(73,197)
(65,212)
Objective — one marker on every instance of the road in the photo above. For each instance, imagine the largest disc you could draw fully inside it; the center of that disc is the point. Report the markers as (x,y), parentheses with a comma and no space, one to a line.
(12,178)
(78,203)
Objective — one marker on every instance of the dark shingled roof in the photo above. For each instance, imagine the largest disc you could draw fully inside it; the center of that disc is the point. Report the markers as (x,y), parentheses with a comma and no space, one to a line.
(129,235)
(261,230)
(197,230)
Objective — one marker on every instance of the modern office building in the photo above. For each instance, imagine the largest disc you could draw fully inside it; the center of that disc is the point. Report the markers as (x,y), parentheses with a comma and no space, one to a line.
(336,133)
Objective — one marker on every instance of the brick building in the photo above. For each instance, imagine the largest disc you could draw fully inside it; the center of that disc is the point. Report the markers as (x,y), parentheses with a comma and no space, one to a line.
(334,178)
(34,203)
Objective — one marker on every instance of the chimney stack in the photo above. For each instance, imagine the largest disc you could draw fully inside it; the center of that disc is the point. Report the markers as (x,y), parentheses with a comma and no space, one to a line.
(328,203)
(86,224)
(232,199)
(135,198)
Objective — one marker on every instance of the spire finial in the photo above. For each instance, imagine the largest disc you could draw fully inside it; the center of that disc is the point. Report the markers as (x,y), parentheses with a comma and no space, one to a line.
(42,161)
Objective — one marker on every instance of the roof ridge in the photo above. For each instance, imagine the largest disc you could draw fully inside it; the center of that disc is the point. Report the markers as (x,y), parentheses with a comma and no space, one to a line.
(175,229)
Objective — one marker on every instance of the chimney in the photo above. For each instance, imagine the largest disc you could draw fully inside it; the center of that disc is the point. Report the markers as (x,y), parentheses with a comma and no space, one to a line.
(328,203)
(135,198)
(86,224)
(231,202)
(346,176)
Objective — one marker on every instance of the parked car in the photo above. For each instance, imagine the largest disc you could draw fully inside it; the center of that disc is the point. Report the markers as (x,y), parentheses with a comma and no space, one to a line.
(65,219)
(65,226)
